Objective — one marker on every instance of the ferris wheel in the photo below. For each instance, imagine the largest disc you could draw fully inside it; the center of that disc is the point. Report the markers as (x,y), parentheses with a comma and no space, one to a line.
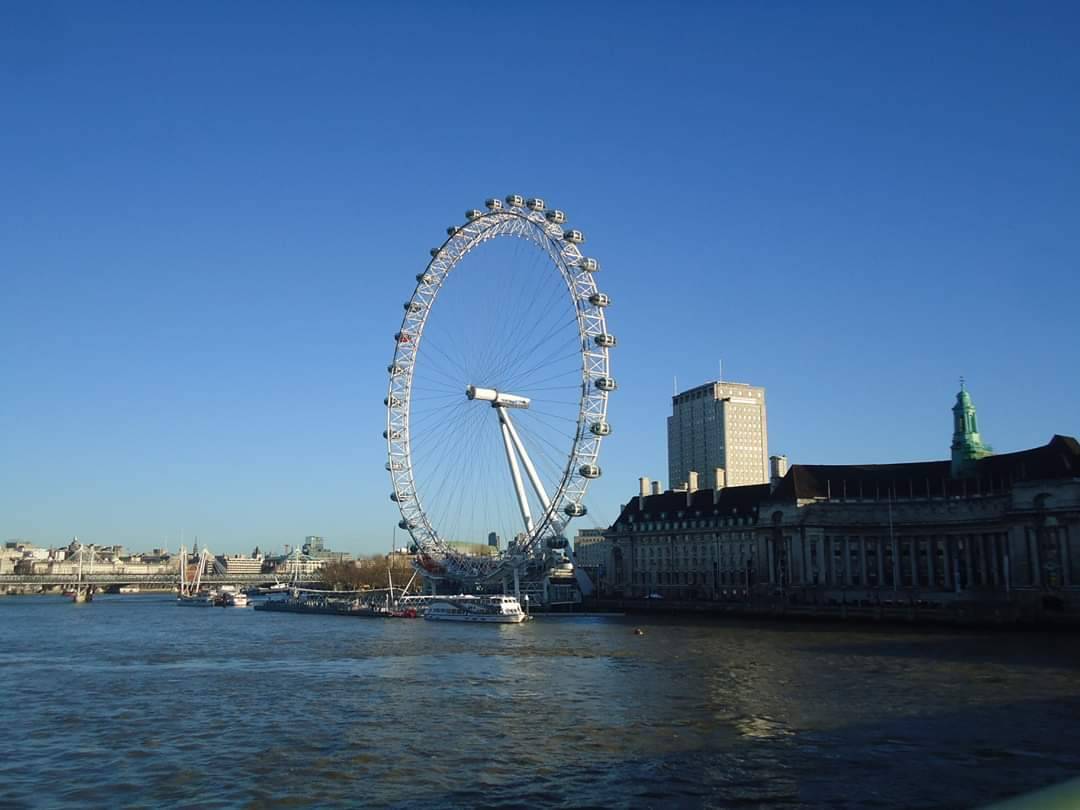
(498,396)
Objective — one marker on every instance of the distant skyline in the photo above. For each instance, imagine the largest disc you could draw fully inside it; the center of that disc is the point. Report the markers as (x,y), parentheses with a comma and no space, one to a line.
(211,217)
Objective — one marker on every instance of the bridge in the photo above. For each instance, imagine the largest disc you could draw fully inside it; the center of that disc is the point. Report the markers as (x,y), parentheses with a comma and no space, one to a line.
(106,580)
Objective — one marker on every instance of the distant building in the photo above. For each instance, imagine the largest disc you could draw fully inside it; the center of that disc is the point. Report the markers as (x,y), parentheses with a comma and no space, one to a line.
(240,564)
(992,533)
(718,430)
(315,549)
(592,552)
(476,549)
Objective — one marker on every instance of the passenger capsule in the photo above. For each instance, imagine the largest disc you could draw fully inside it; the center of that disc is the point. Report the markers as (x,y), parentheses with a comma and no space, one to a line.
(398,498)
(599,299)
(555,216)
(574,510)
(589,471)
(600,429)
(425,278)
(401,337)
(434,252)
(473,213)
(589,265)
(515,200)
(606,383)
(393,435)
(605,341)
(493,204)
(407,525)
(391,402)
(535,203)
(413,306)
(575,236)
(453,230)
(394,369)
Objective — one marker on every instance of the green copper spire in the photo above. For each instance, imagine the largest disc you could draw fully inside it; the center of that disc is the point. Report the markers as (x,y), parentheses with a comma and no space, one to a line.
(967,444)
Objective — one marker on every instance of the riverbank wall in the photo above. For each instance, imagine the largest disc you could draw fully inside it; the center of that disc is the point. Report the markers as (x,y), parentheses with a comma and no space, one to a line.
(1003,616)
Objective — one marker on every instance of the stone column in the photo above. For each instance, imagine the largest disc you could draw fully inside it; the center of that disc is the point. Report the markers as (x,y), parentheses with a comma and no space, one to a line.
(946,562)
(895,563)
(880,561)
(995,566)
(969,542)
(984,573)
(930,549)
(862,560)
(914,562)
(847,560)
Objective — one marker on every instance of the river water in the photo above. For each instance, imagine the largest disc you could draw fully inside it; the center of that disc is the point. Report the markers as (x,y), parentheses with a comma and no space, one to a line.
(132,701)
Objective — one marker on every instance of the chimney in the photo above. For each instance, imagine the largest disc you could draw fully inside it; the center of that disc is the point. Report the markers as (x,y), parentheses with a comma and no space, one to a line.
(655,487)
(720,479)
(643,490)
(691,486)
(777,470)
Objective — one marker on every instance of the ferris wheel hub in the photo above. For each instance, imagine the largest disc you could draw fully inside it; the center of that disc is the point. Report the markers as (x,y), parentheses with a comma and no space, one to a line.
(497,399)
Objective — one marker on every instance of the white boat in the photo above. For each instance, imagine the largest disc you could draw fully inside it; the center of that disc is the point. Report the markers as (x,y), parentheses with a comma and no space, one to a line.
(231,598)
(129,589)
(492,609)
(198,599)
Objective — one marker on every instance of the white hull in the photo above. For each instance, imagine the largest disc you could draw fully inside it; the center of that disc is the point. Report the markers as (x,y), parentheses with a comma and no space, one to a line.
(475,617)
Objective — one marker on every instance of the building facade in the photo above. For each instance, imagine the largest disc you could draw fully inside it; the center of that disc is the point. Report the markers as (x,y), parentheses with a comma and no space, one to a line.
(1003,532)
(719,431)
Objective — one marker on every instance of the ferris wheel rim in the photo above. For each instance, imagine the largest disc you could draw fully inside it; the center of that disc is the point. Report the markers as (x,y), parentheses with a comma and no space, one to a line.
(542,227)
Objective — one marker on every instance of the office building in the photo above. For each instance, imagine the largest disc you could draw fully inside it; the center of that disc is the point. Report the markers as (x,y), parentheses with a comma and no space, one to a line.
(719,431)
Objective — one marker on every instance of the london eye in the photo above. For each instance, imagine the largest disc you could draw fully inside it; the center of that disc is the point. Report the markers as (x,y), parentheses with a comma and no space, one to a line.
(498,395)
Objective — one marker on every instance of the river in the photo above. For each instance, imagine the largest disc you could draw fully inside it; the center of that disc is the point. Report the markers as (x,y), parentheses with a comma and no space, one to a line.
(131,701)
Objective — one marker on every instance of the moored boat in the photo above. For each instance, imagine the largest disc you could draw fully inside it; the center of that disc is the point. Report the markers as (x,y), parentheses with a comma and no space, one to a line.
(325,602)
(231,598)
(198,599)
(467,608)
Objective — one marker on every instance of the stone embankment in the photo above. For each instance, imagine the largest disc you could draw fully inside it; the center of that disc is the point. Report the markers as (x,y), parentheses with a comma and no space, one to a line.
(973,615)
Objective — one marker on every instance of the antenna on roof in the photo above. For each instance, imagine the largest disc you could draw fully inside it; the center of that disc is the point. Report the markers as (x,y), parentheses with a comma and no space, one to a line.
(675,385)
(721,363)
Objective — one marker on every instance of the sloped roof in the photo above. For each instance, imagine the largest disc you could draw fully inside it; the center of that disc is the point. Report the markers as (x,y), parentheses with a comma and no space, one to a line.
(1060,458)
(733,501)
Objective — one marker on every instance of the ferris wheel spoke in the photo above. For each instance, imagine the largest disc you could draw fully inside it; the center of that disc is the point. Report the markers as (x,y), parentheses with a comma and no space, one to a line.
(517,379)
(528,348)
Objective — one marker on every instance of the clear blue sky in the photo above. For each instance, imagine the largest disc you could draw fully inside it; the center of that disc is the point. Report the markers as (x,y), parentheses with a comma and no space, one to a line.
(211,214)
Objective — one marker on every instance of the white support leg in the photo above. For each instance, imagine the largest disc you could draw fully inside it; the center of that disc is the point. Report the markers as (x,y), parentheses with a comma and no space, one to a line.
(515,473)
(530,470)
